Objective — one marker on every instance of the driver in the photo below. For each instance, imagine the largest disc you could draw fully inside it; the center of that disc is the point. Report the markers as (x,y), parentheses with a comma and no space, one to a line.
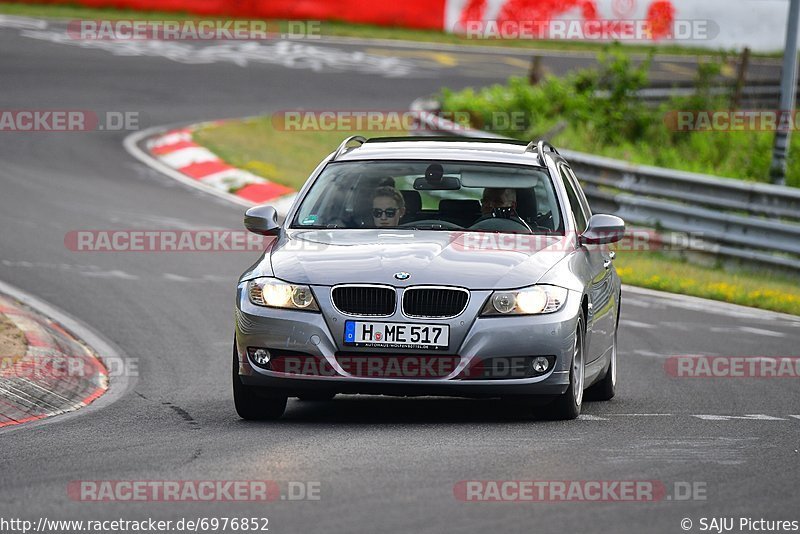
(499,204)
(498,198)
(388,207)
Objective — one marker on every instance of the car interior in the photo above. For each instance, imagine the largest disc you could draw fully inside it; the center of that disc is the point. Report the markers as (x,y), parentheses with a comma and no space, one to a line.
(344,199)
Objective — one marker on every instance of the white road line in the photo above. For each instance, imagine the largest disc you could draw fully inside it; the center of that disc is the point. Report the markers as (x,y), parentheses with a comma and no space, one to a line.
(761,331)
(755,417)
(131,144)
(232,179)
(649,354)
(636,324)
(642,415)
(289,54)
(27,23)
(188,156)
(170,139)
(24,398)
(638,303)
(710,306)
(120,275)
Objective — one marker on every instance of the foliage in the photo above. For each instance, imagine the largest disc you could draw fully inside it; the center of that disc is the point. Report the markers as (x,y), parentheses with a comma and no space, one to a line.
(598,111)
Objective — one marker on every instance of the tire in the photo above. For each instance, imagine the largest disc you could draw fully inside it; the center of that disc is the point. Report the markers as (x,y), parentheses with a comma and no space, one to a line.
(568,405)
(316,397)
(250,405)
(606,388)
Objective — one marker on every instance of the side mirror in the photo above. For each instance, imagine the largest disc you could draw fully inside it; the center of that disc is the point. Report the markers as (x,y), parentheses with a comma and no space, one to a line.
(262,220)
(603,229)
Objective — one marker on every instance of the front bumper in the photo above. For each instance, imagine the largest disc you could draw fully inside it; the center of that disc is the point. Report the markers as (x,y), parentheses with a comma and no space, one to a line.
(473,339)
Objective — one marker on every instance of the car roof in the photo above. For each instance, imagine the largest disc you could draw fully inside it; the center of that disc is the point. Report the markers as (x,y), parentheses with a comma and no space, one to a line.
(443,148)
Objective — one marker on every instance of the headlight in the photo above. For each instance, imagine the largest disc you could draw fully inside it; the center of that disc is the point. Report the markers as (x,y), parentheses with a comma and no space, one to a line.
(528,301)
(275,293)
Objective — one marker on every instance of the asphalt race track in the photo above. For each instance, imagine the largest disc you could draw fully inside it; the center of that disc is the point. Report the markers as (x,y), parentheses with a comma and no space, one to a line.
(383,464)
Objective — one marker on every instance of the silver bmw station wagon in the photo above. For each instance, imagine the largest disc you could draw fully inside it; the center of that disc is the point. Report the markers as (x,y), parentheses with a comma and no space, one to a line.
(431,266)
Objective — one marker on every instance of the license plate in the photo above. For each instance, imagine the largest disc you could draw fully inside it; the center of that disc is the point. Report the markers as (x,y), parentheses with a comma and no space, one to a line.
(396,335)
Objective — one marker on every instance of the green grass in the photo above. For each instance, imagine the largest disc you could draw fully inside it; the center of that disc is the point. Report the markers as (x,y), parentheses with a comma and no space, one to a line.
(740,155)
(289,157)
(657,271)
(345,29)
(284,157)
(598,111)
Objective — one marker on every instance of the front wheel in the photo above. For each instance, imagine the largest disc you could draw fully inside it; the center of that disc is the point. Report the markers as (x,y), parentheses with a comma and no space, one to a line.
(568,404)
(607,387)
(249,404)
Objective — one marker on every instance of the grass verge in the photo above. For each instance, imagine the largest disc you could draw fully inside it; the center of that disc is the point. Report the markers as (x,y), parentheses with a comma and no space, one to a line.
(289,157)
(256,145)
(345,29)
(655,270)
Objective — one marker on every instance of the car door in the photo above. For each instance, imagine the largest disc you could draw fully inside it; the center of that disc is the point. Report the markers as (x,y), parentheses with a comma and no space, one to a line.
(601,317)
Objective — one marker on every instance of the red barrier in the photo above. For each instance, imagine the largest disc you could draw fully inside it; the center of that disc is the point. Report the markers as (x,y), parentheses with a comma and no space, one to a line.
(420,14)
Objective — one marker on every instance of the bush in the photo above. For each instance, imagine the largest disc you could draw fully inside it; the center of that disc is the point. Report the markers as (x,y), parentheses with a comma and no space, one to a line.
(598,111)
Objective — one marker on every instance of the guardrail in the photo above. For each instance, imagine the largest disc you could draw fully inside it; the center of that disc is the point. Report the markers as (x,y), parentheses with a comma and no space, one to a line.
(752,96)
(751,222)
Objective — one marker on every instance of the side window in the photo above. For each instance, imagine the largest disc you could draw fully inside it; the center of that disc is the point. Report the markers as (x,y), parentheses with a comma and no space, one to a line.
(575,204)
(581,195)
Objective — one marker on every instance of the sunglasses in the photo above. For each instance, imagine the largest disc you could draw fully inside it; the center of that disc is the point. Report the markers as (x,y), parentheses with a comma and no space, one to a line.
(378,213)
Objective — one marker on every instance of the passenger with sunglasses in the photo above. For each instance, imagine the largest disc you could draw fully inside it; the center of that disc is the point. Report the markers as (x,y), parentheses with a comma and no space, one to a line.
(388,207)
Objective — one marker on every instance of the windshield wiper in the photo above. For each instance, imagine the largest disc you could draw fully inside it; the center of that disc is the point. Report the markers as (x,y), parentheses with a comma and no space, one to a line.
(433,227)
(317,227)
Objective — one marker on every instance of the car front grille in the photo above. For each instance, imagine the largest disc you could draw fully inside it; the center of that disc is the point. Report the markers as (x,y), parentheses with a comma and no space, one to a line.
(373,301)
(436,302)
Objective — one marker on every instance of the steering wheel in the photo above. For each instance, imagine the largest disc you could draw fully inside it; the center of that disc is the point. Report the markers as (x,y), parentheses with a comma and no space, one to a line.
(544,220)
(514,224)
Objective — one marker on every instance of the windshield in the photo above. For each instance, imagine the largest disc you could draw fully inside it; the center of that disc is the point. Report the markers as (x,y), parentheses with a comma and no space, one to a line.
(432,195)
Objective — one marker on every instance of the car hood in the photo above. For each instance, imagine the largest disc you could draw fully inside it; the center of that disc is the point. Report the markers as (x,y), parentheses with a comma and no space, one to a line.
(470,259)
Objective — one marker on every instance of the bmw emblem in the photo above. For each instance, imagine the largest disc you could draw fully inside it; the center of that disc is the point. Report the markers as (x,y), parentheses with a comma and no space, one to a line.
(402,275)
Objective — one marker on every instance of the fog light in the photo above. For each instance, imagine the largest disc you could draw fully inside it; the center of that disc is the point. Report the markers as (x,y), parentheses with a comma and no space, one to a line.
(259,356)
(540,364)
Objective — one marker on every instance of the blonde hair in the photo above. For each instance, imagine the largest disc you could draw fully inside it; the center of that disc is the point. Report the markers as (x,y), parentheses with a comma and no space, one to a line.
(390,192)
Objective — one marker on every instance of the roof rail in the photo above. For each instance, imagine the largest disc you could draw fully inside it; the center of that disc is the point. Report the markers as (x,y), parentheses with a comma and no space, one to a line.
(541,146)
(360,139)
